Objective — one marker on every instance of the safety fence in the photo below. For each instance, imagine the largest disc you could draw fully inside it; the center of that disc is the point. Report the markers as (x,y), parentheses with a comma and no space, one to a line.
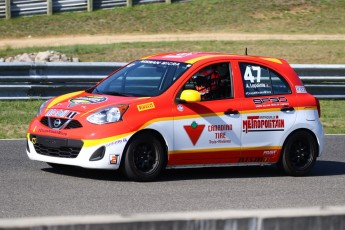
(14,8)
(41,80)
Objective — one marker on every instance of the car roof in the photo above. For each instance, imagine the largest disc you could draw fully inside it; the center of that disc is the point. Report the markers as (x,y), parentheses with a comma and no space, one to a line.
(194,57)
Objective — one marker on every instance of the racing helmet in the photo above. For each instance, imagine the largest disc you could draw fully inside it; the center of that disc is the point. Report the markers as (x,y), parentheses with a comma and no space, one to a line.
(207,80)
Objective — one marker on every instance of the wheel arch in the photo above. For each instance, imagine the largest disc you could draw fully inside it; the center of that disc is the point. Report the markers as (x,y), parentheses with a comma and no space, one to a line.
(299,130)
(152,132)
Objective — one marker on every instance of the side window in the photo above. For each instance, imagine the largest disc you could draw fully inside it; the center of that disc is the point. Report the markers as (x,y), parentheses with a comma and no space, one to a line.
(261,81)
(280,86)
(213,82)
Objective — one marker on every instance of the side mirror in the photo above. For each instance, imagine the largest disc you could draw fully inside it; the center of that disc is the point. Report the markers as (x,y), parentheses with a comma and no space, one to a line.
(190,96)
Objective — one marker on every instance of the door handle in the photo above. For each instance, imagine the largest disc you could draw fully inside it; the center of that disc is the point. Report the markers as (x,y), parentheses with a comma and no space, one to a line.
(231,112)
(287,109)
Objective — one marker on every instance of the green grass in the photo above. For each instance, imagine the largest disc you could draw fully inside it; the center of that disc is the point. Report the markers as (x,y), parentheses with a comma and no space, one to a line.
(15,117)
(332,116)
(306,52)
(208,16)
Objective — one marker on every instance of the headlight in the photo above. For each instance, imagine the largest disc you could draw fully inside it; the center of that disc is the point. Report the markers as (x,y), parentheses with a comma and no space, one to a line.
(108,115)
(43,105)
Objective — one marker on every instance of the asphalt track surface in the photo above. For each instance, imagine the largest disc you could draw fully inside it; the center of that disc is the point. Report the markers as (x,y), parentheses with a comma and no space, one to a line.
(30,188)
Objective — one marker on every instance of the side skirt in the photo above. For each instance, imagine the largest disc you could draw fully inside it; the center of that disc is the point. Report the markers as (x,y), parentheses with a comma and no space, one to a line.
(218,165)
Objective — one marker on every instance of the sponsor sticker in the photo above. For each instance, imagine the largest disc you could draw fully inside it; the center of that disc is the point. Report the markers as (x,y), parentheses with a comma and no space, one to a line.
(166,63)
(49,131)
(220,133)
(194,131)
(34,140)
(61,113)
(300,89)
(113,159)
(263,123)
(117,142)
(146,106)
(269,100)
(270,152)
(86,100)
(252,159)
(180,107)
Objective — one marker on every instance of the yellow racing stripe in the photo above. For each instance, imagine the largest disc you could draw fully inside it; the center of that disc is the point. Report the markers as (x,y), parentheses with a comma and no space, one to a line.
(91,143)
(62,98)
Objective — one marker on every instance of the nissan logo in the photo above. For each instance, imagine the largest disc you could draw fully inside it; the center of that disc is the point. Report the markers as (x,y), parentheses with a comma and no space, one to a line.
(57,123)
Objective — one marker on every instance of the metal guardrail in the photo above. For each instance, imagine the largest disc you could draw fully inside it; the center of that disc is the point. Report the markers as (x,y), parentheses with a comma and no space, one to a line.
(41,80)
(14,8)
(323,81)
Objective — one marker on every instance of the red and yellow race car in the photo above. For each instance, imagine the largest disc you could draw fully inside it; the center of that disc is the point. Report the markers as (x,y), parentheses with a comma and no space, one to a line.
(177,110)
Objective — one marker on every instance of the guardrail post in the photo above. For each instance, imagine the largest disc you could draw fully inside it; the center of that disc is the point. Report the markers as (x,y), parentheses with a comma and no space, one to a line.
(89,5)
(8,9)
(168,1)
(129,3)
(49,7)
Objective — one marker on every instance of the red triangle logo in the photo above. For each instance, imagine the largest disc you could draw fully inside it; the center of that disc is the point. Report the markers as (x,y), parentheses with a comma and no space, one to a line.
(194,131)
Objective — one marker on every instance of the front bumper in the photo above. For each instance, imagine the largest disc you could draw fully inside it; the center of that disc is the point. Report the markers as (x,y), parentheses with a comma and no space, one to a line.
(105,155)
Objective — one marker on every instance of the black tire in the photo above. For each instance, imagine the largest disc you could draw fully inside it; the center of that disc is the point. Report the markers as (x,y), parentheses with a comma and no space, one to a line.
(299,154)
(144,158)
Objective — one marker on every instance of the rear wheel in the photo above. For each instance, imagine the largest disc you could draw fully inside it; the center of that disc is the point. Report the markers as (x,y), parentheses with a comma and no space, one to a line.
(299,154)
(145,158)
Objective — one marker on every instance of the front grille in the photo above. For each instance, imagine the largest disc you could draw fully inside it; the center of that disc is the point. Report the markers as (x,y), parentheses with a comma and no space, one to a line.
(45,121)
(56,147)
(73,125)
(63,152)
(62,124)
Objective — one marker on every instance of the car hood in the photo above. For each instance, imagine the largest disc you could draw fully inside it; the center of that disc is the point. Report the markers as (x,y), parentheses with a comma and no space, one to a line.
(84,102)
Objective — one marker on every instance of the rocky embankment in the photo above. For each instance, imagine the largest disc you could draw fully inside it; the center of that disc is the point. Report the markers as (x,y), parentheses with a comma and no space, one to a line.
(45,56)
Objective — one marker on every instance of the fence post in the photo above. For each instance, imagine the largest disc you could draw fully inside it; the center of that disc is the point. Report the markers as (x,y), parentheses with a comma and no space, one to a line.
(168,1)
(8,9)
(89,5)
(49,7)
(129,3)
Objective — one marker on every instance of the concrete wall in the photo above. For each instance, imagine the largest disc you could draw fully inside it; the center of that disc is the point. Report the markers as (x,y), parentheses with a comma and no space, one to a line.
(317,218)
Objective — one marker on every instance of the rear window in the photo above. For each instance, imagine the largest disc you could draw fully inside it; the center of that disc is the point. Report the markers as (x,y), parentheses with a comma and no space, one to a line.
(262,81)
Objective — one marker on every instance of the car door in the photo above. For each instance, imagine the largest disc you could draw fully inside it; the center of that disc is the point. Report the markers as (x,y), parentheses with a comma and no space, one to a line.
(268,112)
(208,132)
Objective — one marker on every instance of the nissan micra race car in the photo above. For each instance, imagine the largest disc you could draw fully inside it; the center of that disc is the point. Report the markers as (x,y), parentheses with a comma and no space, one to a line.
(176,110)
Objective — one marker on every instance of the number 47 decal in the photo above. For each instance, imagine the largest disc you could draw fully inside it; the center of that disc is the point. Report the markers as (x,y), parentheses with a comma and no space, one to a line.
(248,75)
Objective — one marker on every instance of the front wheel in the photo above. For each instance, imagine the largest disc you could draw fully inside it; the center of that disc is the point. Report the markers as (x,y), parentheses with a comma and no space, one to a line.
(144,159)
(299,154)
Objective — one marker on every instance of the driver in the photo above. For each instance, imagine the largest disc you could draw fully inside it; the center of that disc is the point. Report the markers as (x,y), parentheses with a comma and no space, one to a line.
(207,83)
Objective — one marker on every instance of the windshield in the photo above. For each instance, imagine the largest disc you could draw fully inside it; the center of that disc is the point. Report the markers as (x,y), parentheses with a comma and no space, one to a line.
(142,78)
